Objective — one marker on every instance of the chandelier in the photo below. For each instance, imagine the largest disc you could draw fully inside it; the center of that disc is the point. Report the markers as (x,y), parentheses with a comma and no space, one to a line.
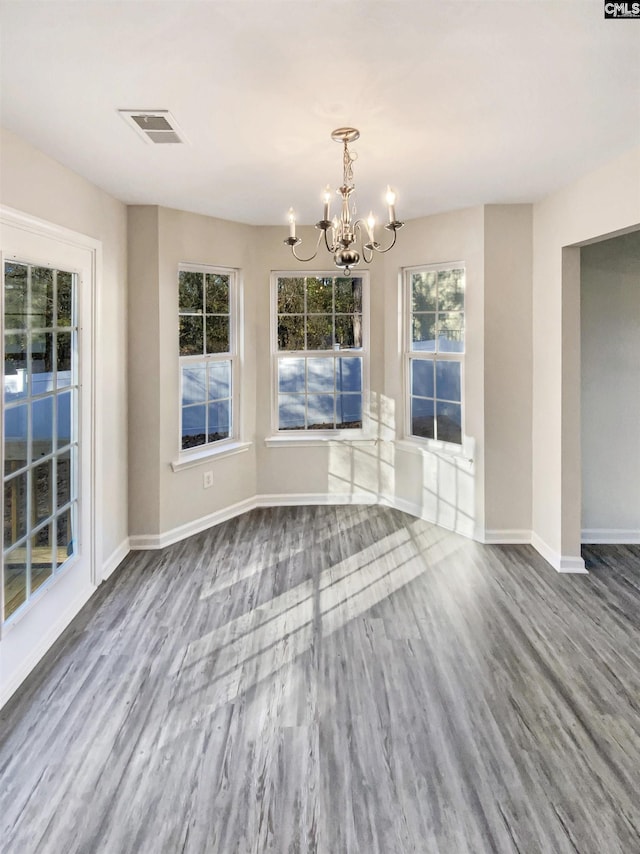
(344,235)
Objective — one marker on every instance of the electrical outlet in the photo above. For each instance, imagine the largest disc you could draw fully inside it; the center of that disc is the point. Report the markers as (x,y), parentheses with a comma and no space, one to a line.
(207,479)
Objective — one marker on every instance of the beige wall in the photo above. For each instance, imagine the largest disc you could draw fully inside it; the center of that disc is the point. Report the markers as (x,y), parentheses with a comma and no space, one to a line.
(610,351)
(602,203)
(508,365)
(35,184)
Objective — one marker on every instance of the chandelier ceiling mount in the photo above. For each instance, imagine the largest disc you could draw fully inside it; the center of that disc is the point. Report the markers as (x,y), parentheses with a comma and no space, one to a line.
(348,239)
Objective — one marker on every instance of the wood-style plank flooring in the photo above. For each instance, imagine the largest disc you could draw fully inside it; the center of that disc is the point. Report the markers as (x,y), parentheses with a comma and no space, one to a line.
(333,680)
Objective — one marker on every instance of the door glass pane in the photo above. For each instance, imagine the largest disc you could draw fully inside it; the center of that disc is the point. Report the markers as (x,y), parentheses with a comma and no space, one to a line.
(42,427)
(41,298)
(63,479)
(64,300)
(64,541)
(15,509)
(63,359)
(40,440)
(41,489)
(15,580)
(41,557)
(16,295)
(15,366)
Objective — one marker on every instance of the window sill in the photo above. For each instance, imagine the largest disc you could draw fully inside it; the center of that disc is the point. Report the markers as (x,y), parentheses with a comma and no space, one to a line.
(462,453)
(209,455)
(317,441)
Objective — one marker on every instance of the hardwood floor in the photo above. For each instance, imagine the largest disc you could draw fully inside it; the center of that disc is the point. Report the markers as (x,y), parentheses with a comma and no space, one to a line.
(335,679)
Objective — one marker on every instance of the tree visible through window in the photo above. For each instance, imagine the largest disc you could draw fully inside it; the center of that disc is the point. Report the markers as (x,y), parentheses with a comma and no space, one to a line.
(435,348)
(320,343)
(207,355)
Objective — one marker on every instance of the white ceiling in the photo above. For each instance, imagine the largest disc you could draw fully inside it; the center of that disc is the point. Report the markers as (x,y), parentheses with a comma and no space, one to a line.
(458,103)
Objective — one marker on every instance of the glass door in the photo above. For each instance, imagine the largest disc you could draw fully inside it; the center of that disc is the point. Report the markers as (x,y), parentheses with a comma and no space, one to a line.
(40,452)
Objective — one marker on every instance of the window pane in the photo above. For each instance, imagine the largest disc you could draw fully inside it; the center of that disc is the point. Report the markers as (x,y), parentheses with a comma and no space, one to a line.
(63,359)
(65,545)
(319,295)
(320,411)
(217,296)
(348,296)
(423,332)
(15,580)
(348,411)
(320,332)
(451,290)
(449,422)
(349,330)
(15,436)
(15,296)
(15,366)
(15,509)
(447,381)
(64,418)
(291,412)
(320,374)
(64,286)
(451,332)
(219,421)
(41,297)
(41,362)
(194,384)
(190,292)
(191,336)
(63,479)
(219,380)
(422,377)
(41,487)
(290,375)
(290,296)
(423,291)
(349,374)
(41,556)
(194,429)
(42,426)
(422,418)
(218,334)
(291,333)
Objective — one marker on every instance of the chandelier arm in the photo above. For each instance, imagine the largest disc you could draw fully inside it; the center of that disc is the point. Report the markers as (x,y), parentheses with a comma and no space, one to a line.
(331,248)
(391,245)
(304,260)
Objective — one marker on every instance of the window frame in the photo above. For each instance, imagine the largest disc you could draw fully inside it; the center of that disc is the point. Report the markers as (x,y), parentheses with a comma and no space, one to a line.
(231,442)
(307,435)
(409,355)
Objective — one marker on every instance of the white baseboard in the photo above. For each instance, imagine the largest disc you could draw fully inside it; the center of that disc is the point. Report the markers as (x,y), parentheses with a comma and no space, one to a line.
(115,559)
(46,642)
(507,536)
(319,498)
(159,541)
(611,536)
(561,563)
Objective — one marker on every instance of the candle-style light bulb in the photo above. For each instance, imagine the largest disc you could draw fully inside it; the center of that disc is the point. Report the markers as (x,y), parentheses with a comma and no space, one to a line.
(326,198)
(391,202)
(292,223)
(371,224)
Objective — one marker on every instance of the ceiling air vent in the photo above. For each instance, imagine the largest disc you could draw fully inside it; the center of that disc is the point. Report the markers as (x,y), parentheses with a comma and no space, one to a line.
(154,126)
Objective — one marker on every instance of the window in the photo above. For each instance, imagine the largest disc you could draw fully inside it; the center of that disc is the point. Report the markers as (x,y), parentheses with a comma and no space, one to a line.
(435,351)
(40,428)
(320,327)
(208,356)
